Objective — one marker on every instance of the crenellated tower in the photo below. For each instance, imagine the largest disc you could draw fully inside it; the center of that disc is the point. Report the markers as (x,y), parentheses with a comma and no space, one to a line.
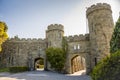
(54,35)
(101,27)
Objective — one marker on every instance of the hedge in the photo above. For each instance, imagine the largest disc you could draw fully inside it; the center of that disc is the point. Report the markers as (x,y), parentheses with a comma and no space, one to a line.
(18,69)
(4,69)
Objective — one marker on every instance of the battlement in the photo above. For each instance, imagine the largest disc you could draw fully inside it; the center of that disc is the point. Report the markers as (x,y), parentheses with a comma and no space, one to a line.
(80,37)
(17,39)
(55,27)
(98,6)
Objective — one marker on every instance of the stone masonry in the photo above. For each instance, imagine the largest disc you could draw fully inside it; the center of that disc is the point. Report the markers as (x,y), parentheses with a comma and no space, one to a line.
(88,48)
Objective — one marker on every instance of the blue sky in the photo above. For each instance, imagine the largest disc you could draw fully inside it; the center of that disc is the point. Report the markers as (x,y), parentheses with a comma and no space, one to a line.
(30,18)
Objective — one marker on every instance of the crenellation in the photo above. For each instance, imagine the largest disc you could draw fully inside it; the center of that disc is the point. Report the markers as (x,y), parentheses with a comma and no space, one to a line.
(87,37)
(23,39)
(40,39)
(98,6)
(26,40)
(55,27)
(76,38)
(80,37)
(69,38)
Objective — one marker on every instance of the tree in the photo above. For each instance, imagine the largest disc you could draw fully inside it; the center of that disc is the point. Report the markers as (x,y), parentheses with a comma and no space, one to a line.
(115,41)
(64,46)
(108,68)
(3,33)
(56,58)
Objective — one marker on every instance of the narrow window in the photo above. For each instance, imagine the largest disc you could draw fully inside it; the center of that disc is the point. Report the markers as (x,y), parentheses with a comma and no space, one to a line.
(78,46)
(12,61)
(95,61)
(9,59)
(75,47)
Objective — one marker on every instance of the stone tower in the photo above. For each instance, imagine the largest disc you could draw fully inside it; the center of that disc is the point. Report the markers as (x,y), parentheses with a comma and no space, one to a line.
(101,27)
(54,35)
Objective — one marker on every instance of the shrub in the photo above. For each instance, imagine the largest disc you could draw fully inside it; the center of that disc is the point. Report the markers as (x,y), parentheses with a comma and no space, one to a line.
(108,68)
(115,40)
(4,69)
(18,69)
(56,58)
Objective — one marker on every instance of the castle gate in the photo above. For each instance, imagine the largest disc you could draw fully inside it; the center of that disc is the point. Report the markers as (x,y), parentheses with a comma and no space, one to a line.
(77,58)
(37,59)
(39,63)
(77,63)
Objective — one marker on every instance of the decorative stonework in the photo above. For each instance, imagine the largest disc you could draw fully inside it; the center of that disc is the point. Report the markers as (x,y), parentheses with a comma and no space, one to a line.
(92,47)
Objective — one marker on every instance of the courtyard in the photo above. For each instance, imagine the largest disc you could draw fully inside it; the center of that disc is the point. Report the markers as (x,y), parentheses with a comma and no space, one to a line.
(43,75)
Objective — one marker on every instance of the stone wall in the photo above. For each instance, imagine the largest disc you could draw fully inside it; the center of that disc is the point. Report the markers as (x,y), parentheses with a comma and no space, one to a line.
(18,51)
(101,27)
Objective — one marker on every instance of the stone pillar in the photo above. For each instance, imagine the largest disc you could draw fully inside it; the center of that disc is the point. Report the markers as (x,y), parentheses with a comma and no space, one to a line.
(101,27)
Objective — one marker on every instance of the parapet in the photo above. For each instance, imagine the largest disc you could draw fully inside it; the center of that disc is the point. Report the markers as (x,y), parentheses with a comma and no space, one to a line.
(80,37)
(55,27)
(98,6)
(17,39)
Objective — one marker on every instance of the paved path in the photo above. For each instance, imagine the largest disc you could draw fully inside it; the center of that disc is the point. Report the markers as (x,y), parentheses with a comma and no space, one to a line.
(42,75)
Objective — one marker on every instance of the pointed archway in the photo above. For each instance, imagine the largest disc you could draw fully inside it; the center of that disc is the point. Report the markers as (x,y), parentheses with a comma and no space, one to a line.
(78,64)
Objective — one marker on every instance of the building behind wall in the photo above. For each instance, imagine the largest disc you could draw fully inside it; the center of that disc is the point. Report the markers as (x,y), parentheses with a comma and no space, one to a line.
(90,47)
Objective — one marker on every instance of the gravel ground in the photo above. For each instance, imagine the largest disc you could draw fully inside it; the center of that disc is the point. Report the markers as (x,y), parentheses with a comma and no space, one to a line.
(42,75)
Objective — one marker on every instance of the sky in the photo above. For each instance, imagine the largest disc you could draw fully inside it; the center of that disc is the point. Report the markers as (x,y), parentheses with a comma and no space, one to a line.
(30,18)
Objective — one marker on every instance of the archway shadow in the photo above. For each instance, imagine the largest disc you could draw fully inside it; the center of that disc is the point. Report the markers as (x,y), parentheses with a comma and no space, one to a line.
(39,64)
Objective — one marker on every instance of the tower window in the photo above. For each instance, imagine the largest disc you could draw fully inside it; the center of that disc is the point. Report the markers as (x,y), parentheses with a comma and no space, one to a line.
(78,46)
(75,47)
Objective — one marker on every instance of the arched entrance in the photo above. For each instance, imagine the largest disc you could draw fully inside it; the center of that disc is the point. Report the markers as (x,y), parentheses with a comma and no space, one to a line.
(78,64)
(39,63)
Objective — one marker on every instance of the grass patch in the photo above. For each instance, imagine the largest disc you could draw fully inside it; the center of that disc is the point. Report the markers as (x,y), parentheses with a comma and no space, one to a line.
(4,69)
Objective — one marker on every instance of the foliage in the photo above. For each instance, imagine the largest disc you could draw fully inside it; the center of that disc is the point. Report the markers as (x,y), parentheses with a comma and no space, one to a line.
(64,45)
(115,41)
(108,68)
(4,69)
(3,33)
(56,58)
(41,61)
(18,69)
(41,66)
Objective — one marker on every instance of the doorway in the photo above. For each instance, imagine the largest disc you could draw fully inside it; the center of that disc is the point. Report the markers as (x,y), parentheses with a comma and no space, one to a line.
(39,63)
(78,64)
